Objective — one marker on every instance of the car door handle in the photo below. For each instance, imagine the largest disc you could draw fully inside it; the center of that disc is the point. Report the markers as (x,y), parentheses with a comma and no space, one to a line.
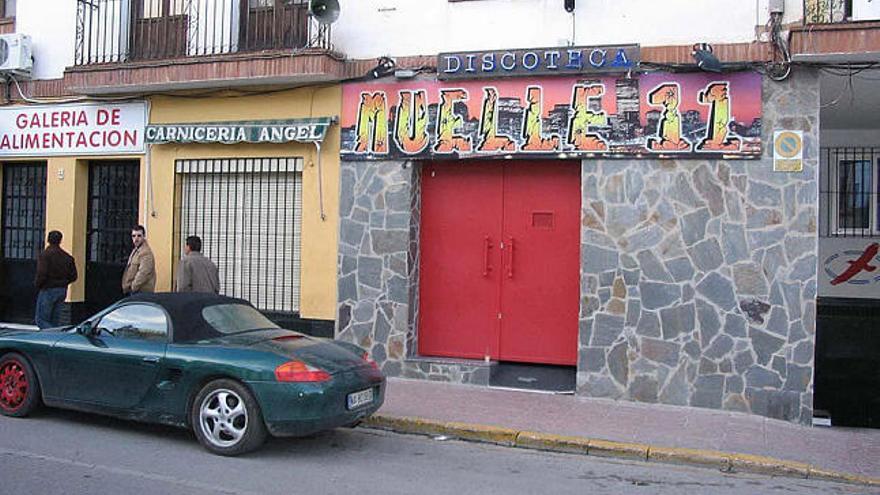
(151,359)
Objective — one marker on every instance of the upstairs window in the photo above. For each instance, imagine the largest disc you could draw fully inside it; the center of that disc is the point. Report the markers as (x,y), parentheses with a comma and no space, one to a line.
(161,8)
(7,8)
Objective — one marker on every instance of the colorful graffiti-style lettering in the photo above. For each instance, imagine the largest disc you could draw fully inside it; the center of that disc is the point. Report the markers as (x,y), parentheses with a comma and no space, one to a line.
(532,132)
(372,124)
(717,96)
(582,117)
(490,140)
(448,123)
(411,128)
(668,137)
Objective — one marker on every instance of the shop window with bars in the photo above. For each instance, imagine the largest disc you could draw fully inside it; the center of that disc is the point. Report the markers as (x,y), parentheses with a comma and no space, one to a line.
(850,202)
(248,213)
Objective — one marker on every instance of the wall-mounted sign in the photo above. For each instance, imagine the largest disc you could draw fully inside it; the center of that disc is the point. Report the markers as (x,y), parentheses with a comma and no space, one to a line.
(849,267)
(788,151)
(538,61)
(658,114)
(81,129)
(265,131)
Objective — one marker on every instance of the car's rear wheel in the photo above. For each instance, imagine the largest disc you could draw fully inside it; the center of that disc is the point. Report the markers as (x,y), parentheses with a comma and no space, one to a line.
(226,418)
(19,388)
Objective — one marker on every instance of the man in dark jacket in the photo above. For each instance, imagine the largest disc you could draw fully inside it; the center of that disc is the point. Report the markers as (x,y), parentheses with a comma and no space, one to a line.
(195,272)
(55,271)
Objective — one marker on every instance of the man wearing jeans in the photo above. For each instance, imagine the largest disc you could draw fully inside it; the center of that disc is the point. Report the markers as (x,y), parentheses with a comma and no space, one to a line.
(55,271)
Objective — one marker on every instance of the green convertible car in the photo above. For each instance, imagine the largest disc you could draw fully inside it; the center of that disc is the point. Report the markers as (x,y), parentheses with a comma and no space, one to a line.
(208,362)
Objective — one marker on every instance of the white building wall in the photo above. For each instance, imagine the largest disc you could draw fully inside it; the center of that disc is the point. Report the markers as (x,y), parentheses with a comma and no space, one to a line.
(51,25)
(372,28)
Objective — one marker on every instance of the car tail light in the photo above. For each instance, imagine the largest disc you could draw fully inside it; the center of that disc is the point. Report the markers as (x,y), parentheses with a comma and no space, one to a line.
(366,357)
(298,371)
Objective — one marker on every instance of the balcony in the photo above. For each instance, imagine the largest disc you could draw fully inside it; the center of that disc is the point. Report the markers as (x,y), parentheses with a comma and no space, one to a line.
(137,45)
(838,11)
(838,31)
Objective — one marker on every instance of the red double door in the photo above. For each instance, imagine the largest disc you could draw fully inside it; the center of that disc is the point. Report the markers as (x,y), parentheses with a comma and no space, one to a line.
(499,266)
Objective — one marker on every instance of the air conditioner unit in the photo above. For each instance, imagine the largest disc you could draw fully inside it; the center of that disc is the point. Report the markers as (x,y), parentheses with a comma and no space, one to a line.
(15,54)
(865,10)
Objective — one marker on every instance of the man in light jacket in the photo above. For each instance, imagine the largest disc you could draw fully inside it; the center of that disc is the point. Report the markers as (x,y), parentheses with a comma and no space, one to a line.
(197,273)
(140,272)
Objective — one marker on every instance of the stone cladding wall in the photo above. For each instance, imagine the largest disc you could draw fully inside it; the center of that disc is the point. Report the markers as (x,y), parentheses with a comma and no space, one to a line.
(698,278)
(380,211)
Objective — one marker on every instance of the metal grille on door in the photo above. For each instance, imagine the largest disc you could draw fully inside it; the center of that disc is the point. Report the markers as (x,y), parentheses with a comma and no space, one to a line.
(248,213)
(23,231)
(24,207)
(112,212)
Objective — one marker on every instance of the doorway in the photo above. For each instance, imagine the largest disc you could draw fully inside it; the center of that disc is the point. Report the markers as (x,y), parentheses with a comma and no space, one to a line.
(500,261)
(114,188)
(23,234)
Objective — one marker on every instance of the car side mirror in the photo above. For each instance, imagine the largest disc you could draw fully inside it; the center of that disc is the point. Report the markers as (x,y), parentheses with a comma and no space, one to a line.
(86,329)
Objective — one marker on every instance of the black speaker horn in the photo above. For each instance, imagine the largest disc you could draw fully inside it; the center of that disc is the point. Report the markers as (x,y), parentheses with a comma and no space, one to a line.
(324,11)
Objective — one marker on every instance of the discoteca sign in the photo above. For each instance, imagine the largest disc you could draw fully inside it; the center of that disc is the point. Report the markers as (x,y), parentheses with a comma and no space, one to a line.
(81,129)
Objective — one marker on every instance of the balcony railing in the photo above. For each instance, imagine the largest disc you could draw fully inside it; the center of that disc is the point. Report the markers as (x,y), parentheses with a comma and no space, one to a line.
(840,11)
(826,11)
(111,31)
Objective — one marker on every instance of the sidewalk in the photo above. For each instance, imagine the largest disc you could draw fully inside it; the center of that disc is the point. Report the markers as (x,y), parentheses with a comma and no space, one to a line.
(417,406)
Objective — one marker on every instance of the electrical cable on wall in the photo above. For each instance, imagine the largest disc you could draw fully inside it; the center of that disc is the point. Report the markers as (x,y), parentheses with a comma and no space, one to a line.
(778,71)
(75,99)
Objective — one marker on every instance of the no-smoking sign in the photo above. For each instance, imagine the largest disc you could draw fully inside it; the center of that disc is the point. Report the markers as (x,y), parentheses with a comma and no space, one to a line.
(788,151)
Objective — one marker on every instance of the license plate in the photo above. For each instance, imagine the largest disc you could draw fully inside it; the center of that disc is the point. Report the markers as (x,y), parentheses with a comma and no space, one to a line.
(357,399)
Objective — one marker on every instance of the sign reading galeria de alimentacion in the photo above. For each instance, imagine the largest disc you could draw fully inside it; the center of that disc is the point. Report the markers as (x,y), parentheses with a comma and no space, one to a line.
(79,129)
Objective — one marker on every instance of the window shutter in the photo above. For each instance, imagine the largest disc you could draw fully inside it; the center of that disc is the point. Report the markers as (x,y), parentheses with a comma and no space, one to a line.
(248,213)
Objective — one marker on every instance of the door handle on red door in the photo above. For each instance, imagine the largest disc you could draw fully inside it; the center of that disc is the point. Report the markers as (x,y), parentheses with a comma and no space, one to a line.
(487,246)
(510,259)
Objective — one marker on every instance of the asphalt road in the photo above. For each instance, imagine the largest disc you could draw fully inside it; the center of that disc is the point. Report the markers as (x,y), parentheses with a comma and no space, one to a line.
(59,452)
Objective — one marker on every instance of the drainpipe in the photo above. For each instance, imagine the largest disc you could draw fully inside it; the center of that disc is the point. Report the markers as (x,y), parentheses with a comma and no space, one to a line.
(149,210)
(320,183)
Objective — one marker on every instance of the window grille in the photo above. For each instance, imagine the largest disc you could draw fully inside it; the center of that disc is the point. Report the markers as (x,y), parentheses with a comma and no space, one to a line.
(113,207)
(24,210)
(248,213)
(849,199)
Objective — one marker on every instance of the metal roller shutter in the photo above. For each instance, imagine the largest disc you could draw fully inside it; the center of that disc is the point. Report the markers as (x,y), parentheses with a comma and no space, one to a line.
(248,213)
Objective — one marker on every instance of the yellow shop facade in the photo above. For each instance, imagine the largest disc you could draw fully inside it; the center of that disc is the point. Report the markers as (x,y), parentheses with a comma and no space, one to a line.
(255,175)
(54,160)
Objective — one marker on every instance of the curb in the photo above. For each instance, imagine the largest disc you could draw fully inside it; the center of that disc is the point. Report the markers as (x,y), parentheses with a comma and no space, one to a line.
(723,461)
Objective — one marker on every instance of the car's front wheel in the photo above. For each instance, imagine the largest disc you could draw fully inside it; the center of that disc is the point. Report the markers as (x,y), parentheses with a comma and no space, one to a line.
(19,388)
(226,418)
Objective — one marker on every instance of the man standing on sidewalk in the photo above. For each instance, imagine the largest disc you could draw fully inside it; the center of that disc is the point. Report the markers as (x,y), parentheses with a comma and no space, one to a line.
(55,271)
(140,272)
(197,273)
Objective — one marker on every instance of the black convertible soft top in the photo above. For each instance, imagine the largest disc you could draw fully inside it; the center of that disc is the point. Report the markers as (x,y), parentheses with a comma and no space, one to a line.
(185,310)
